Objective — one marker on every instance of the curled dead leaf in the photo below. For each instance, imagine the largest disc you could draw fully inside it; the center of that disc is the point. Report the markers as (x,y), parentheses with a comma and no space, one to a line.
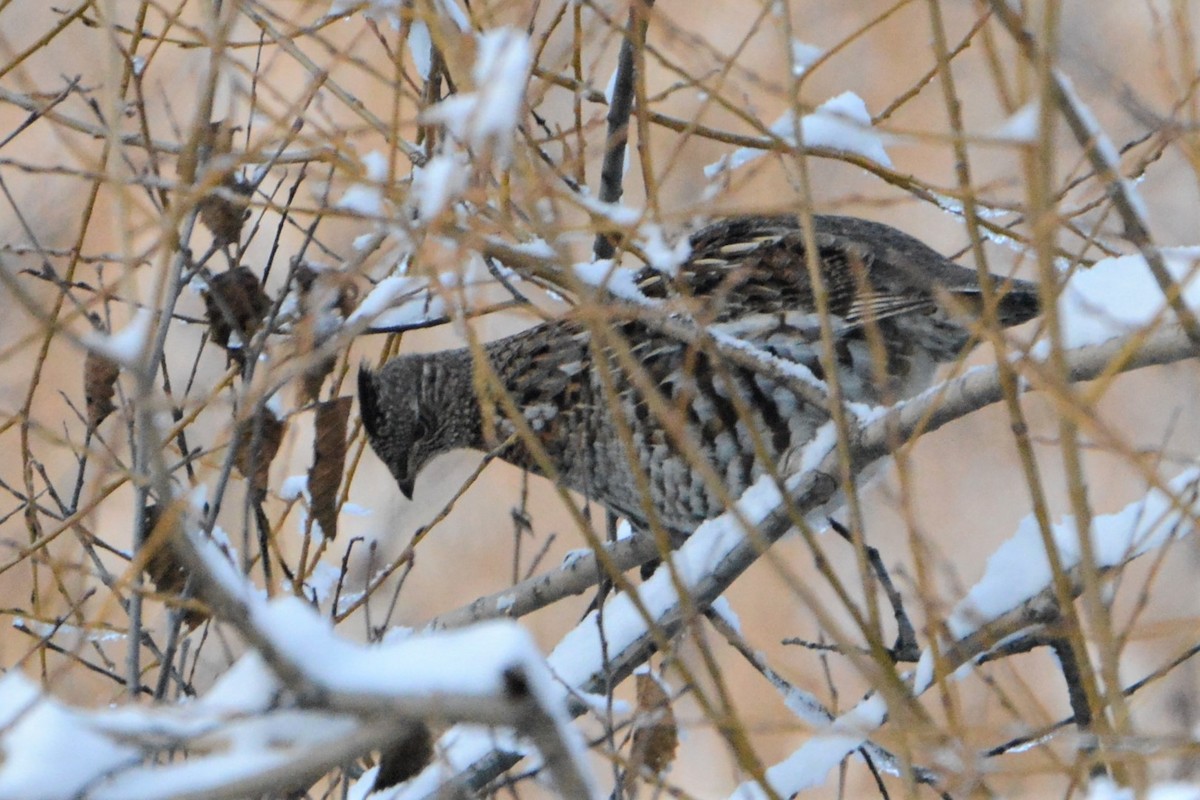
(257,441)
(327,297)
(165,570)
(235,305)
(99,386)
(655,734)
(405,757)
(329,461)
(225,210)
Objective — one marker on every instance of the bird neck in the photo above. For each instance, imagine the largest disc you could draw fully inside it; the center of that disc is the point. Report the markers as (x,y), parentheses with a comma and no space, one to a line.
(447,392)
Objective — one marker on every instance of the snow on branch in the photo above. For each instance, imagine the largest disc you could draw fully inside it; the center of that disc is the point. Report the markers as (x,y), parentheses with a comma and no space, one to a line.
(1105,160)
(1019,570)
(723,548)
(1018,574)
(341,699)
(488,116)
(239,745)
(126,346)
(840,124)
(1118,296)
(399,300)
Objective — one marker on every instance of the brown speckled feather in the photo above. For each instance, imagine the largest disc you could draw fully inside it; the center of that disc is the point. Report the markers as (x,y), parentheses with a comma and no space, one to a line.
(584,392)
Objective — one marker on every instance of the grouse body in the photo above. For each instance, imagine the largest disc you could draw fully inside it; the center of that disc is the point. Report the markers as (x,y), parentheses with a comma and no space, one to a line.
(621,411)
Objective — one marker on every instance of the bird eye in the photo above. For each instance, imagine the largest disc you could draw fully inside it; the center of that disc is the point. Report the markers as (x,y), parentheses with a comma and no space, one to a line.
(420,430)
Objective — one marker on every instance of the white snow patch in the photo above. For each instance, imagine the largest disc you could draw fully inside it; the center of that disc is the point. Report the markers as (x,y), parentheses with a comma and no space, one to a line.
(414,312)
(616,213)
(39,735)
(806,707)
(1019,569)
(1104,145)
(955,207)
(366,198)
(605,274)
(437,183)
(924,674)
(293,488)
(811,765)
(379,10)
(421,47)
(248,687)
(804,55)
(489,115)
(451,10)
(663,257)
(126,346)
(841,123)
(361,199)
(724,610)
(599,703)
(376,165)
(1106,789)
(1118,296)
(610,88)
(323,581)
(384,296)
(572,556)
(536,247)
(62,631)
(1022,126)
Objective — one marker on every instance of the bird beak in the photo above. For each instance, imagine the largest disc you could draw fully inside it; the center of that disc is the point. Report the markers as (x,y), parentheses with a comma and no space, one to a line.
(406,487)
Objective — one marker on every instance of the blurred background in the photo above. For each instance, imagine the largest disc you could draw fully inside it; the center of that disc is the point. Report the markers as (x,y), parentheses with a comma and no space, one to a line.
(81,205)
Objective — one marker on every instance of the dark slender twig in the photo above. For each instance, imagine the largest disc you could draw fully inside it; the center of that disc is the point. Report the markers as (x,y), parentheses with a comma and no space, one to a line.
(83,662)
(1083,714)
(906,647)
(1022,742)
(165,670)
(613,169)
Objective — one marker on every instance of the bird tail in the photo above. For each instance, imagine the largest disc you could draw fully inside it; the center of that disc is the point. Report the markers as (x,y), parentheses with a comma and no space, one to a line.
(1019,301)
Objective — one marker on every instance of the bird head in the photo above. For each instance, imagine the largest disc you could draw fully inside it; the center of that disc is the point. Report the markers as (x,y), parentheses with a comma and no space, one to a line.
(404,429)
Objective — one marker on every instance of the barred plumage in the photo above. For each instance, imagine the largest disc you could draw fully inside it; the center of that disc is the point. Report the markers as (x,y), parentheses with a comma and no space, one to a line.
(616,409)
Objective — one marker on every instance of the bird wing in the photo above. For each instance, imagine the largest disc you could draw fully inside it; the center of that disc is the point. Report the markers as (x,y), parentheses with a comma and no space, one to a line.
(751,266)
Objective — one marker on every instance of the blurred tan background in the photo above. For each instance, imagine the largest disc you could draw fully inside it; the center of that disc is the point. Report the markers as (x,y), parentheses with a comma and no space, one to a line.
(966,490)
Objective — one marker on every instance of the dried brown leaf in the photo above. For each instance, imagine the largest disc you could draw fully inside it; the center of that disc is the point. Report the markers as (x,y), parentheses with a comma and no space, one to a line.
(314,378)
(329,461)
(326,289)
(226,210)
(655,734)
(165,570)
(257,441)
(99,386)
(405,757)
(236,306)
(327,297)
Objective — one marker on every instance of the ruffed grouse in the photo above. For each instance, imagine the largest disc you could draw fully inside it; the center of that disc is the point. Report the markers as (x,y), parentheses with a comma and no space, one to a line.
(746,277)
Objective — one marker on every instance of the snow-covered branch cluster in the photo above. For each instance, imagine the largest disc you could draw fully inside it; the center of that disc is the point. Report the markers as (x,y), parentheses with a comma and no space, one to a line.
(169,524)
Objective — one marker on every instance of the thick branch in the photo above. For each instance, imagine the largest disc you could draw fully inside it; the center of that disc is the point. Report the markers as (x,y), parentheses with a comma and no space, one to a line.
(812,490)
